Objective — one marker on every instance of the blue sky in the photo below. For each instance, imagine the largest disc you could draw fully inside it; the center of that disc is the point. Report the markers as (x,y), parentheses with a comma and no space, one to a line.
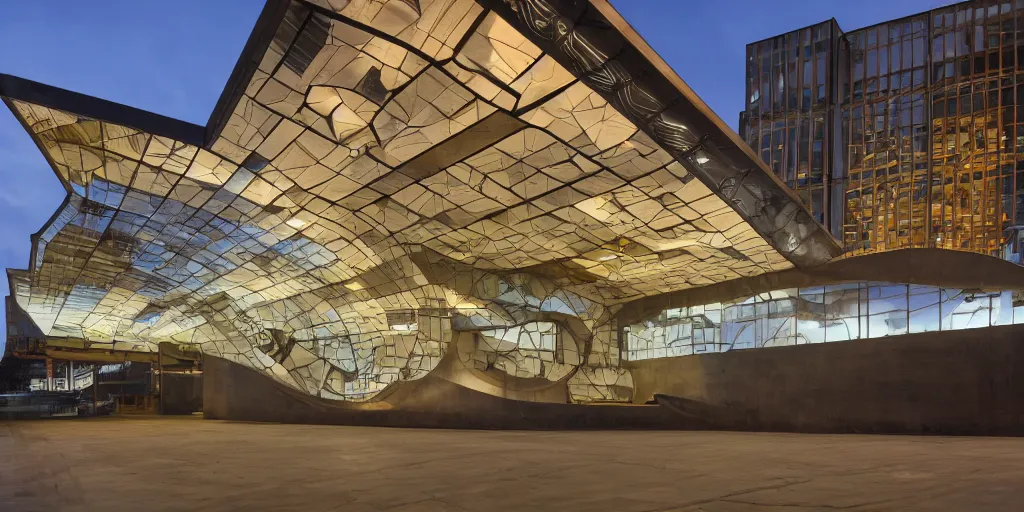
(175,61)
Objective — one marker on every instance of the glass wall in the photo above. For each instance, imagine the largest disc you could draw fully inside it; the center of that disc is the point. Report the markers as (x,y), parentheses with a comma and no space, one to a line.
(788,98)
(930,112)
(838,312)
(927,148)
(886,137)
(977,97)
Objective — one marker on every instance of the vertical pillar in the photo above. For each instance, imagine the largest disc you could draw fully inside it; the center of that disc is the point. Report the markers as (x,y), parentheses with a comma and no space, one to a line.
(160,378)
(95,388)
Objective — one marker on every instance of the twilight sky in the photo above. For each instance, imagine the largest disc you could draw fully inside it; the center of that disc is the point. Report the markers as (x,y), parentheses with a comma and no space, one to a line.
(175,61)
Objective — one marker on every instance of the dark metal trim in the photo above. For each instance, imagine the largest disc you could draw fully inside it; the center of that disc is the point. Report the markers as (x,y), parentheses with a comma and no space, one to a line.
(248,62)
(594,48)
(29,91)
(96,108)
(604,54)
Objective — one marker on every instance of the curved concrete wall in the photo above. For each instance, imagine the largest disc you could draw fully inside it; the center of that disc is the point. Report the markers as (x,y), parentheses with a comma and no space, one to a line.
(234,392)
(955,382)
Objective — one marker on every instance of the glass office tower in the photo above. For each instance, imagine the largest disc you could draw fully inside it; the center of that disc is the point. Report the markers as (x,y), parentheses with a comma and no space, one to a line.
(909,133)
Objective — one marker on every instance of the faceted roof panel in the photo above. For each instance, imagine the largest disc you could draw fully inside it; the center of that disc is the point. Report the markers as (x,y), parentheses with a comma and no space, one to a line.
(367,157)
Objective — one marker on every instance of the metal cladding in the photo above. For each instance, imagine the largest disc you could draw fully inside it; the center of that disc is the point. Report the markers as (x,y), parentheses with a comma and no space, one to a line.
(388,184)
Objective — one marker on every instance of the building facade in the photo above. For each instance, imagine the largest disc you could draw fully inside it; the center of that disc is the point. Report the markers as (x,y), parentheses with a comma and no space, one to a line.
(909,133)
(390,185)
(490,214)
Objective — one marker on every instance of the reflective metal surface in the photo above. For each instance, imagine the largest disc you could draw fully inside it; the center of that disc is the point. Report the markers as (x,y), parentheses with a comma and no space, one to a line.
(385,183)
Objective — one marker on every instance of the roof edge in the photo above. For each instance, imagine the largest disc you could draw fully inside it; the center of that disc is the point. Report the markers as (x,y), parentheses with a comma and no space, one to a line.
(245,67)
(605,52)
(29,91)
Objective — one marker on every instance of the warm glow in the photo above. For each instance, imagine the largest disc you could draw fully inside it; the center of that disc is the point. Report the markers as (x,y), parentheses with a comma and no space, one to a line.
(597,207)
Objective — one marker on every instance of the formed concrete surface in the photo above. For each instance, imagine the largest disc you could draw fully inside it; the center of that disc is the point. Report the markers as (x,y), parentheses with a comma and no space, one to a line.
(968,381)
(114,464)
(438,400)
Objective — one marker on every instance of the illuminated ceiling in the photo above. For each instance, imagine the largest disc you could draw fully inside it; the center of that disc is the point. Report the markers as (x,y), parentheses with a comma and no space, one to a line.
(374,165)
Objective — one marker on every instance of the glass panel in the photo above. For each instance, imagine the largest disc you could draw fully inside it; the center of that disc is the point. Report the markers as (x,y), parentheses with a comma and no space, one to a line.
(973,309)
(810,323)
(1018,307)
(950,299)
(1003,313)
(738,329)
(924,308)
(887,309)
(842,309)
(837,312)
(779,327)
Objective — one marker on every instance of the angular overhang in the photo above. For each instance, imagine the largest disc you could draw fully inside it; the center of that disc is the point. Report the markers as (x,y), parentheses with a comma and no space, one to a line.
(392,155)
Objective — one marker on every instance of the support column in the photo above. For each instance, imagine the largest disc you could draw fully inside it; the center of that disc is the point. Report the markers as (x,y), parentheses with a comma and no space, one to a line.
(95,388)
(160,378)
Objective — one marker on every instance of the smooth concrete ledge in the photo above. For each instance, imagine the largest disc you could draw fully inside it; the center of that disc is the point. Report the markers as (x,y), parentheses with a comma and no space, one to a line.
(234,392)
(968,382)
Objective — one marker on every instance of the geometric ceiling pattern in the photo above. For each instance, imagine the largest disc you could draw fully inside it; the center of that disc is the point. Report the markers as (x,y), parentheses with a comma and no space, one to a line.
(386,181)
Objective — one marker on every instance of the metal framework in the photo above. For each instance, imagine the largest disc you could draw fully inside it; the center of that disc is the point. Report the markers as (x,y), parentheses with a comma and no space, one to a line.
(389,183)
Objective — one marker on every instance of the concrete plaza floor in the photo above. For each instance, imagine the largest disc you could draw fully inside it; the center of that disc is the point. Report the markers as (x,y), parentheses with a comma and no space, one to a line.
(147,463)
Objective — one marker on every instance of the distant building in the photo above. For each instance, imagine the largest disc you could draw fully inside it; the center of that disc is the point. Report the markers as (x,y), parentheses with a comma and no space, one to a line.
(909,133)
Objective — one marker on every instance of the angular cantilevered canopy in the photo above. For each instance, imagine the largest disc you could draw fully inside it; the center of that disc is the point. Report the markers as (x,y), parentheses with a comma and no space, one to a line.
(380,175)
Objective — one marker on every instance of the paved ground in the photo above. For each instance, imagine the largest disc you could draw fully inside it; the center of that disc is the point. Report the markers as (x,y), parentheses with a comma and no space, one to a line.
(113,464)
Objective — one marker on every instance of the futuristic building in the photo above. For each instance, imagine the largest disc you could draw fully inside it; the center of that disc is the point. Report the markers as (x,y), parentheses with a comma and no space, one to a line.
(903,134)
(401,201)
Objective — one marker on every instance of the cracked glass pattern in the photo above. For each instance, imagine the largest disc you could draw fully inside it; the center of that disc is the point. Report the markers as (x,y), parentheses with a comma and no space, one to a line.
(399,184)
(819,314)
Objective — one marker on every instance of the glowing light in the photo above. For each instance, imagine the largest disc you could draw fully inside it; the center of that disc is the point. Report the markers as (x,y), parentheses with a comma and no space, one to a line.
(598,208)
(295,222)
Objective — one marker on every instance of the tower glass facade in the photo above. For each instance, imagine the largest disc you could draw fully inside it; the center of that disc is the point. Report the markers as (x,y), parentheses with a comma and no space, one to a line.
(789,104)
(909,133)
